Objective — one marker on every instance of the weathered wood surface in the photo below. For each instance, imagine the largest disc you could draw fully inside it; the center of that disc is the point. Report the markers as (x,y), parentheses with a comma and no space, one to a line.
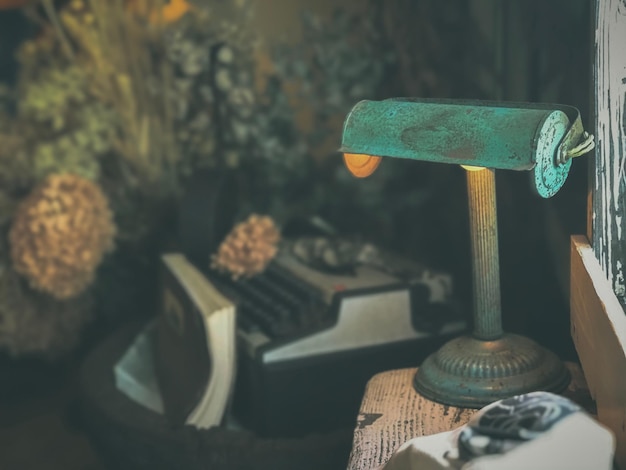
(609,178)
(392,413)
(599,333)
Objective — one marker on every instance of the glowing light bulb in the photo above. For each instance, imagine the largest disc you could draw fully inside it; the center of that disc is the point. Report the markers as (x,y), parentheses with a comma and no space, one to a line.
(361,165)
(473,168)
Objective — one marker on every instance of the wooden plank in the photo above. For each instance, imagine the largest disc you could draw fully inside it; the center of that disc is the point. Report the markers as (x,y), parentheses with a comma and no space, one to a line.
(392,412)
(598,328)
(609,178)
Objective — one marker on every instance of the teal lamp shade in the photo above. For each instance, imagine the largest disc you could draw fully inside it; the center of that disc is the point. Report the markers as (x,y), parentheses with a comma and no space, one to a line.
(508,136)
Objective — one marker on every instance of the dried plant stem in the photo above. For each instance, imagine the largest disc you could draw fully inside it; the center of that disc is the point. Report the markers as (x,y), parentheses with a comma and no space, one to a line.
(126,70)
(54,19)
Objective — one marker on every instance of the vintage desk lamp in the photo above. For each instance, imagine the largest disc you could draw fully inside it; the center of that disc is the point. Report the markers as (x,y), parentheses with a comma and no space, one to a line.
(489,364)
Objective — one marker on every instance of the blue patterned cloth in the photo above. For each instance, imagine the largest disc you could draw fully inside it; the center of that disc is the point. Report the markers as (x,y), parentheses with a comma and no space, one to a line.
(538,431)
(506,424)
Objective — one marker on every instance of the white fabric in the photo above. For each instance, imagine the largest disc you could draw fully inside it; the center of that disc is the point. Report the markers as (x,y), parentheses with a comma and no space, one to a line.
(436,452)
(560,436)
(576,443)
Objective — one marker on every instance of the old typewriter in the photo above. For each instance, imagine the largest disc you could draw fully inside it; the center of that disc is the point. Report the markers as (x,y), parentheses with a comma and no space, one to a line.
(312,333)
(324,317)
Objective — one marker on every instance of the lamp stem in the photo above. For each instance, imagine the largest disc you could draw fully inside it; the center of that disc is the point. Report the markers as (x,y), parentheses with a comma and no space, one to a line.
(481,189)
(472,371)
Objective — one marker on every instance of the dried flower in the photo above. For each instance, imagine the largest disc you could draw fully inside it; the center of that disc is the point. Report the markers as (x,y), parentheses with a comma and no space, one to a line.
(60,234)
(248,248)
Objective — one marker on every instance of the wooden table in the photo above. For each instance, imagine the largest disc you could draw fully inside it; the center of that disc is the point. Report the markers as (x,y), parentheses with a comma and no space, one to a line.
(392,412)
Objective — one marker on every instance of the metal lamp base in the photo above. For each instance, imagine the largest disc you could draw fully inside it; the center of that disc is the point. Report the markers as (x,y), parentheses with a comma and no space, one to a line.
(470,373)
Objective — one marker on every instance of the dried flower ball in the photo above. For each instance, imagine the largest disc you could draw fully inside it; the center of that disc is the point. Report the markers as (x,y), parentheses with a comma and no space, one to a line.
(60,233)
(248,248)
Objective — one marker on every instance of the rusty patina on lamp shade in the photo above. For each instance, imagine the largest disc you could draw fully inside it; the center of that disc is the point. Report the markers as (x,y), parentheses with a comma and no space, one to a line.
(507,136)
(489,364)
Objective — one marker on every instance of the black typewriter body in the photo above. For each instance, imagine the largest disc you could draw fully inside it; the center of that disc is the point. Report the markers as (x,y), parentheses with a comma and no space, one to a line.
(309,340)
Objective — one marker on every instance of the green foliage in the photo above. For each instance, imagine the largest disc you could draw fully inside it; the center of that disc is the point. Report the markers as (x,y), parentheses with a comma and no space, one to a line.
(71,129)
(79,149)
(293,171)
(50,100)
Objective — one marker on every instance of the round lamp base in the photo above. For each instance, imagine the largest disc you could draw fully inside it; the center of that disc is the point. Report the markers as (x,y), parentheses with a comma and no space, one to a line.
(470,373)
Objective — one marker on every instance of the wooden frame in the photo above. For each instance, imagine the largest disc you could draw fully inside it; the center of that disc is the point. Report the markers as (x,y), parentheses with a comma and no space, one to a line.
(597,286)
(599,332)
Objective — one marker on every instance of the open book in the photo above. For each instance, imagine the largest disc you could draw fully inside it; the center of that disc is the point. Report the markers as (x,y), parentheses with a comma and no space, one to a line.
(195,346)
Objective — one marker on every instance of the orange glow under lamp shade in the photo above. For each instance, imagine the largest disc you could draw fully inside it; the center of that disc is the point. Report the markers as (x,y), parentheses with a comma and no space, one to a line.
(361,165)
